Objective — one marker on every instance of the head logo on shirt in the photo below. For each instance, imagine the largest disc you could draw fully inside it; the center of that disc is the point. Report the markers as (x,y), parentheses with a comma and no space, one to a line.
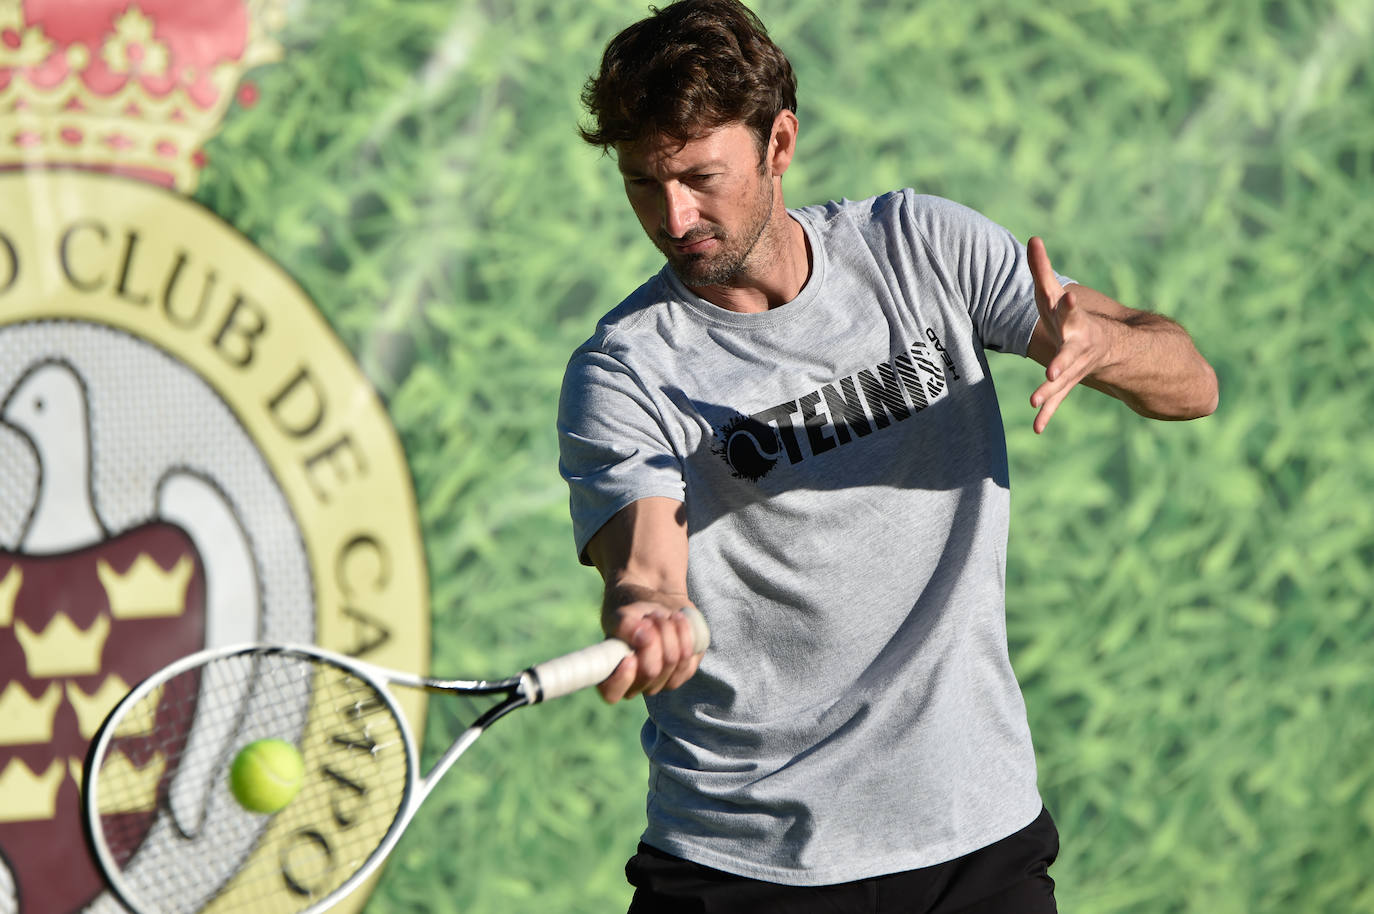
(837,413)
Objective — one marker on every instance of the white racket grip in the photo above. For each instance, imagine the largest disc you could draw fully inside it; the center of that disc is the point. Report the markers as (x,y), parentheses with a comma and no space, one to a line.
(589,666)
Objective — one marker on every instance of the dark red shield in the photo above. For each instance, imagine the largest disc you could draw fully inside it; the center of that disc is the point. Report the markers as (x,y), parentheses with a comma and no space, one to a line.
(143,593)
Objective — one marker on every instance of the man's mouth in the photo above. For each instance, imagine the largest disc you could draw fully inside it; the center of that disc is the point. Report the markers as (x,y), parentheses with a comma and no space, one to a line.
(700,246)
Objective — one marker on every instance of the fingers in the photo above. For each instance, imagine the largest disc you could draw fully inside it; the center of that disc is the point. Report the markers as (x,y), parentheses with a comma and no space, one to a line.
(615,686)
(1073,363)
(1047,397)
(1048,291)
(658,648)
(663,655)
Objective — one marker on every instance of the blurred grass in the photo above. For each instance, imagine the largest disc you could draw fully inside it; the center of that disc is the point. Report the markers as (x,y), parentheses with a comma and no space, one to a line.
(1189,605)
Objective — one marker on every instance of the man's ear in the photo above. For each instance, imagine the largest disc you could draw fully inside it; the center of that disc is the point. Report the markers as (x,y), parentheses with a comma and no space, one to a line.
(782,143)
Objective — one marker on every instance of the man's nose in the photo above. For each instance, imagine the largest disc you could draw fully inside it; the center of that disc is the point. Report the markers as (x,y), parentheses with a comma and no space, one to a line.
(679,210)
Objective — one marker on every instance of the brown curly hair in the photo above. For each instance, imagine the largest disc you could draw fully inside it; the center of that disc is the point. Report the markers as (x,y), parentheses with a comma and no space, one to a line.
(691,66)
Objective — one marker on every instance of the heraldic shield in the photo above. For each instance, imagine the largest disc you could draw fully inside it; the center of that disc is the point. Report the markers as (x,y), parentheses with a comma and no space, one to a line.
(84,614)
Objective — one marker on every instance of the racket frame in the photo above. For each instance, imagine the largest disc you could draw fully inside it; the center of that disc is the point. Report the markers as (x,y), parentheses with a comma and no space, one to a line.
(541,682)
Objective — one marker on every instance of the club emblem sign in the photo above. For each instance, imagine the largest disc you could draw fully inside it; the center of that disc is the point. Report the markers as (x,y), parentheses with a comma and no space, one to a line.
(189,456)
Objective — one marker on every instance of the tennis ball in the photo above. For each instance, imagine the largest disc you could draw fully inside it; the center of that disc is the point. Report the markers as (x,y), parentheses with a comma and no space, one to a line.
(266,774)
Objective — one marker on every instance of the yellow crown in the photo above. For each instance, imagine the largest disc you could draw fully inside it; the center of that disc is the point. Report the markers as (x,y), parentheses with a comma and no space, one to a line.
(131,87)
(125,787)
(63,649)
(91,710)
(28,720)
(146,590)
(9,589)
(25,796)
(142,717)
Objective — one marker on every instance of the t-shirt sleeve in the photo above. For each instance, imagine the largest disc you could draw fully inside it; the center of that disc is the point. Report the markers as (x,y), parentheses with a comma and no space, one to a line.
(990,268)
(612,445)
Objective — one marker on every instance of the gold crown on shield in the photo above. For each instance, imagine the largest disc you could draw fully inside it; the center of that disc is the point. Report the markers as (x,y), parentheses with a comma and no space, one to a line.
(134,788)
(28,719)
(25,794)
(146,590)
(62,649)
(93,707)
(130,87)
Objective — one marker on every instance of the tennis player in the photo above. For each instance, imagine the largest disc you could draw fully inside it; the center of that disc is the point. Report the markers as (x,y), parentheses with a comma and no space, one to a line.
(792,426)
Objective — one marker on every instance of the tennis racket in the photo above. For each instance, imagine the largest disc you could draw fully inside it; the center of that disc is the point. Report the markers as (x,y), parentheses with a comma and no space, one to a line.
(170,837)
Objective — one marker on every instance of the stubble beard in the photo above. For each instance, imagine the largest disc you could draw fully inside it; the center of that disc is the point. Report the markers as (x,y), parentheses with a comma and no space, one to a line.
(731,259)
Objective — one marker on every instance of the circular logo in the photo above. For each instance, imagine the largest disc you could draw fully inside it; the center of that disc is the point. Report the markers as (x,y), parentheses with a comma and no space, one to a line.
(750,447)
(191,459)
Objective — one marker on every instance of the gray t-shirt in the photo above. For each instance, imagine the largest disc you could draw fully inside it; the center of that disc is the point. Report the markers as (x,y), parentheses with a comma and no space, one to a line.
(843,467)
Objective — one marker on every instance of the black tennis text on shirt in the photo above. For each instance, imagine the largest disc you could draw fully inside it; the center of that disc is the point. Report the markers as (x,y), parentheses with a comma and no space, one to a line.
(838,413)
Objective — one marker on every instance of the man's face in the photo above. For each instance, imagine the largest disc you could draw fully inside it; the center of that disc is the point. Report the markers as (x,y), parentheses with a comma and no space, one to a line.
(704,203)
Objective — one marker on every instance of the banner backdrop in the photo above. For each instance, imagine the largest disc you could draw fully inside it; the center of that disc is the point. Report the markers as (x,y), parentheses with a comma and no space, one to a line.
(192,457)
(286,291)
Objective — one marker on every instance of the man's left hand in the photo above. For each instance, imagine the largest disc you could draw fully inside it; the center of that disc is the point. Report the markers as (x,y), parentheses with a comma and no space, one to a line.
(1081,340)
(1084,337)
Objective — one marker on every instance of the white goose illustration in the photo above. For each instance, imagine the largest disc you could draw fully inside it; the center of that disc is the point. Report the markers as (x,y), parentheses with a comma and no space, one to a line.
(48,407)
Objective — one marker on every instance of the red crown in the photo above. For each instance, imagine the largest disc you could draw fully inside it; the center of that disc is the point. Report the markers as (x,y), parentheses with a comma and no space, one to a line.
(128,86)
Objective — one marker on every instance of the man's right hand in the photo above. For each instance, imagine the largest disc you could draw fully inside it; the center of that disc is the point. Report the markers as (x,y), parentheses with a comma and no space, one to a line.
(641,553)
(664,656)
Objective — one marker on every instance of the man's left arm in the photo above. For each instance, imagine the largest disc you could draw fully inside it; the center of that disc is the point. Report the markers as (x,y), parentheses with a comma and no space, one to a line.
(1145,360)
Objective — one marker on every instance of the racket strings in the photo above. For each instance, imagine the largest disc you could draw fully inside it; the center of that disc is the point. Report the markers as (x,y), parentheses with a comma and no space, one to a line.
(177,837)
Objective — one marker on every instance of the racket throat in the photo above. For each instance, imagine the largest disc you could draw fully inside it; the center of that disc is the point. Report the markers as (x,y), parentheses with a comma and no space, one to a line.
(530,687)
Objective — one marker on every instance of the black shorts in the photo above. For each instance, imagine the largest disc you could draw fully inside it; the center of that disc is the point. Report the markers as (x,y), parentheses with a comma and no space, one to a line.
(1010,876)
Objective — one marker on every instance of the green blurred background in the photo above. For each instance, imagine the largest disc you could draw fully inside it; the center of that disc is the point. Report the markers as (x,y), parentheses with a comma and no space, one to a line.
(1189,604)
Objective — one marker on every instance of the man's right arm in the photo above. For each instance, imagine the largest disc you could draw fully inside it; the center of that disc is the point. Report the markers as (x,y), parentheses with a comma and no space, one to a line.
(641,553)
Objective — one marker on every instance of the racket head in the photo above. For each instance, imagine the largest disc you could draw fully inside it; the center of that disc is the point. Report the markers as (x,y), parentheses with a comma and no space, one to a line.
(170,836)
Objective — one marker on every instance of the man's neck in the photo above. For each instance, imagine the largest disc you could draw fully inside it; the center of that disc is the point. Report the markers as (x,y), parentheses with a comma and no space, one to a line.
(780,270)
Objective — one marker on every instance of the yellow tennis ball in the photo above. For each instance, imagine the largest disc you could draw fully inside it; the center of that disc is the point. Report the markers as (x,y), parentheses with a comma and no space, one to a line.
(266,775)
